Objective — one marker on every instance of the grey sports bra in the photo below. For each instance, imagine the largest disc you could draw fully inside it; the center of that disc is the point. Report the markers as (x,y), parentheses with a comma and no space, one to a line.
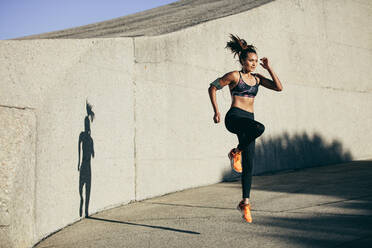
(243,89)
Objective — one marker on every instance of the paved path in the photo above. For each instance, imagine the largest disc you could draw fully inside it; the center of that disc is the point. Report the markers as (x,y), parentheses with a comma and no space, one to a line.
(328,206)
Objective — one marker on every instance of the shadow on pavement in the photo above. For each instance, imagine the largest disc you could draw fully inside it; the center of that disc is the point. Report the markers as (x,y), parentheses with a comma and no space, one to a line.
(136,224)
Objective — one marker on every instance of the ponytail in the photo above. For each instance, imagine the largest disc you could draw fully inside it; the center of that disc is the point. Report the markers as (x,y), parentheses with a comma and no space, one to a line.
(240,47)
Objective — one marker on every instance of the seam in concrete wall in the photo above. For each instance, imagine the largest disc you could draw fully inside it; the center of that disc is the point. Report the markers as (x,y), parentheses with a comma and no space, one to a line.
(134,122)
(6,106)
(324,15)
(35,174)
(331,88)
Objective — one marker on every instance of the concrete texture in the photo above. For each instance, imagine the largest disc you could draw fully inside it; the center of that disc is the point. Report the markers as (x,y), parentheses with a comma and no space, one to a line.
(164,19)
(153,130)
(328,206)
(18,177)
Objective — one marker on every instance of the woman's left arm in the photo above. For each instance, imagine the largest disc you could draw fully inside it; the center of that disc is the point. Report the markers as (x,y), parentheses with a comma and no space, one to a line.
(274,84)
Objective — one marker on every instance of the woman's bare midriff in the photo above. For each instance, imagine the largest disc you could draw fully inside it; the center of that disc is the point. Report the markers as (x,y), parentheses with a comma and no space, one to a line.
(243,102)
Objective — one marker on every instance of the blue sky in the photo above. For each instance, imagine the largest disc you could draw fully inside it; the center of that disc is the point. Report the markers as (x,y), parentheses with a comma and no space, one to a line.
(25,17)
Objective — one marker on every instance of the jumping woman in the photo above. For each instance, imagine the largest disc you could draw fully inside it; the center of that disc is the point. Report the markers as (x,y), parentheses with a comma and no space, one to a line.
(239,119)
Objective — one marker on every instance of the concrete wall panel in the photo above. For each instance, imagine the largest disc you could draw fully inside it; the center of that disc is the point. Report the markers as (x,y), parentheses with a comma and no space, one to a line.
(17,173)
(64,75)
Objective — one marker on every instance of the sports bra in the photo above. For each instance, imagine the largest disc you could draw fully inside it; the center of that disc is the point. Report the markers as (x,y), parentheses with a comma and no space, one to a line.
(243,89)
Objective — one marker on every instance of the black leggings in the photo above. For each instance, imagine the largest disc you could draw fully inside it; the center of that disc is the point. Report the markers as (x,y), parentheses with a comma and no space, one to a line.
(242,123)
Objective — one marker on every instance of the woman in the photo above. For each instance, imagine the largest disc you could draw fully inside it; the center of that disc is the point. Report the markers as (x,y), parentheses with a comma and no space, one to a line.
(239,119)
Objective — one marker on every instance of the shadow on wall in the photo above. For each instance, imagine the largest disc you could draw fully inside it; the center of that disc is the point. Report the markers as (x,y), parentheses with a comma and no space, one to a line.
(85,176)
(298,151)
(294,152)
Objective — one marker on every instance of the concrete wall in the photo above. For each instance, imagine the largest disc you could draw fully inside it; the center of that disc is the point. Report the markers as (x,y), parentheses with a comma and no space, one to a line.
(54,78)
(153,130)
(321,117)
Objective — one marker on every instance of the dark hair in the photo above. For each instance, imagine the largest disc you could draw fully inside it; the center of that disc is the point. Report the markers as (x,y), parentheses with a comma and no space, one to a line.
(240,47)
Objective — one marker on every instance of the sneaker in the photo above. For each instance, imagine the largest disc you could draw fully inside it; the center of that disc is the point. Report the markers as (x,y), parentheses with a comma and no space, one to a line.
(245,209)
(235,160)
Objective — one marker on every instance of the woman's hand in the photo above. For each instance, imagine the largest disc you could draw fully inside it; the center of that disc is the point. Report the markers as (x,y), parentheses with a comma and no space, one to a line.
(265,63)
(216,117)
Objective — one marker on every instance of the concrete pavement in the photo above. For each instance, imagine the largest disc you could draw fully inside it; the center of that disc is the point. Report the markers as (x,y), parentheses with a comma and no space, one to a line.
(327,206)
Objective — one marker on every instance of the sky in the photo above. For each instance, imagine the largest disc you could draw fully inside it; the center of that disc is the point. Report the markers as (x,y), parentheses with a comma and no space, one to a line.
(26,17)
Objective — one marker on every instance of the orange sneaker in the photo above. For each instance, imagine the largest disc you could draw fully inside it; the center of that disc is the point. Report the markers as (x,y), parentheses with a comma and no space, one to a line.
(245,209)
(235,160)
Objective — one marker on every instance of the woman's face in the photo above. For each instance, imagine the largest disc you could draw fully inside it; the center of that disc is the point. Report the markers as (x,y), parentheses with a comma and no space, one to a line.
(250,62)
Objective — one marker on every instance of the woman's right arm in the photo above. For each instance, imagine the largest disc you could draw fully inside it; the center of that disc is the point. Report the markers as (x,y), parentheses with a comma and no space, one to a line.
(218,84)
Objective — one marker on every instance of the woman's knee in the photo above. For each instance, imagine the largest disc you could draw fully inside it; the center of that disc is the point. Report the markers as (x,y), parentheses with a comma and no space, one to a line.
(260,128)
